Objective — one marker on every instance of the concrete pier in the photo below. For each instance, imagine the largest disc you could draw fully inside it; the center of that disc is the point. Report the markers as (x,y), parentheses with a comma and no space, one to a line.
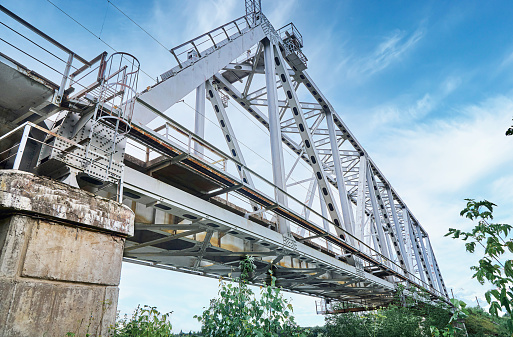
(61,250)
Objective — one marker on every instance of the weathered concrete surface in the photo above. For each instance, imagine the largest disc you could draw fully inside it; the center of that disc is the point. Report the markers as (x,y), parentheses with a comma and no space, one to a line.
(64,253)
(29,193)
(58,275)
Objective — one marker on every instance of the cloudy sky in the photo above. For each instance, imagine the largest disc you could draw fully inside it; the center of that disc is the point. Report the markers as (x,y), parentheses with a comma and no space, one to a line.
(426,87)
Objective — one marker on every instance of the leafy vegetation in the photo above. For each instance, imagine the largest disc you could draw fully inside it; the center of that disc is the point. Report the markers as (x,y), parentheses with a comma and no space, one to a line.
(481,324)
(237,312)
(406,316)
(145,322)
(492,240)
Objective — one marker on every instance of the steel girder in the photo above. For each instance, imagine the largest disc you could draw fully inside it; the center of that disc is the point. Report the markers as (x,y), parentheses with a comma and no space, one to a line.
(192,230)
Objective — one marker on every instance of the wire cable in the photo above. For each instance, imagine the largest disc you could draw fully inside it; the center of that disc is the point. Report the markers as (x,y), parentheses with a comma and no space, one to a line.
(99,38)
(135,23)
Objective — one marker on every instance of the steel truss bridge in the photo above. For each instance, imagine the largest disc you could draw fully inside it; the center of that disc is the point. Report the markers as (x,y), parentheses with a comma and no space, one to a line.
(326,222)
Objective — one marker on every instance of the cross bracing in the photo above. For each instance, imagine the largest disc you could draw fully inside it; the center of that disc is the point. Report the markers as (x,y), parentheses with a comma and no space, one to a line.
(321,215)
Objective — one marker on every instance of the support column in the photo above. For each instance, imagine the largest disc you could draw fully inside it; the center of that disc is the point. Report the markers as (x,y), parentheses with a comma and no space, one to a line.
(199,117)
(275,130)
(61,250)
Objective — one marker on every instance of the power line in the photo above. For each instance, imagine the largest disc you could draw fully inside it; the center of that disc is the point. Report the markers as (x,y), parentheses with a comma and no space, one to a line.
(135,23)
(259,127)
(99,38)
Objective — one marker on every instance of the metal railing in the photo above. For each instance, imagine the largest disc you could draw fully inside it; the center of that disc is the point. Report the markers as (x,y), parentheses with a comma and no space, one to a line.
(74,64)
(184,140)
(188,52)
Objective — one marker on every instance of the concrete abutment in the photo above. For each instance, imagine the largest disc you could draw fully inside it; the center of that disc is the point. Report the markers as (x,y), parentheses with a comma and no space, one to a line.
(61,251)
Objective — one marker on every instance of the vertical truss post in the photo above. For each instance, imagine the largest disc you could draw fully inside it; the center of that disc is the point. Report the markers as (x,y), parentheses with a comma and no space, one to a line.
(374,233)
(407,234)
(415,246)
(65,75)
(422,254)
(381,242)
(21,147)
(441,280)
(275,131)
(398,231)
(341,185)
(360,199)
(310,196)
(374,189)
(306,136)
(199,118)
(433,264)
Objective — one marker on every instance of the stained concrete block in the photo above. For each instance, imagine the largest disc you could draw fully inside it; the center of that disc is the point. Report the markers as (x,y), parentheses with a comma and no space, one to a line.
(13,230)
(110,309)
(26,192)
(60,257)
(6,292)
(49,309)
(57,252)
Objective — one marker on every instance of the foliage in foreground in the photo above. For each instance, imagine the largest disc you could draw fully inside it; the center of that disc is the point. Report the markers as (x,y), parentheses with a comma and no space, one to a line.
(481,324)
(493,266)
(145,322)
(237,312)
(416,318)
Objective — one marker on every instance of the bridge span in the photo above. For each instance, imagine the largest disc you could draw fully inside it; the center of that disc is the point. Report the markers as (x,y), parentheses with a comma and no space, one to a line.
(317,211)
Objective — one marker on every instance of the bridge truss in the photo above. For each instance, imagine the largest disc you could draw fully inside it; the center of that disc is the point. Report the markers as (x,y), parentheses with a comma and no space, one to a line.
(327,221)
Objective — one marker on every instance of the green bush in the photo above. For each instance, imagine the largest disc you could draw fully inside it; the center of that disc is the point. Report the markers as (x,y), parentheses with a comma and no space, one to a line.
(145,322)
(237,312)
(481,324)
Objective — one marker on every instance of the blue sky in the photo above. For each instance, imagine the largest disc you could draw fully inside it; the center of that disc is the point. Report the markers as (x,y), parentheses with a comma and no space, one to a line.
(426,87)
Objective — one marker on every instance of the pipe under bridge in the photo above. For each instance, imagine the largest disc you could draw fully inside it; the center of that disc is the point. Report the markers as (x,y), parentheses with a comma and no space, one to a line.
(318,212)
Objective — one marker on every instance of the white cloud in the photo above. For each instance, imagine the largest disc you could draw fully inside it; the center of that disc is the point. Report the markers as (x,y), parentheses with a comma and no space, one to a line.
(435,165)
(390,50)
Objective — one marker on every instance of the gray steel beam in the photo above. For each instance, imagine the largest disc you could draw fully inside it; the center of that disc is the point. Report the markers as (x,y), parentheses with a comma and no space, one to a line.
(433,264)
(275,131)
(415,246)
(441,280)
(373,187)
(309,146)
(382,244)
(360,199)
(199,118)
(341,185)
(398,231)
(422,254)
(229,134)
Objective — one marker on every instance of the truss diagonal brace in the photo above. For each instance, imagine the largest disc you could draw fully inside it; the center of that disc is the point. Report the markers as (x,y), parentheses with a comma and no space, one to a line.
(375,190)
(309,145)
(415,247)
(398,231)
(227,129)
(423,258)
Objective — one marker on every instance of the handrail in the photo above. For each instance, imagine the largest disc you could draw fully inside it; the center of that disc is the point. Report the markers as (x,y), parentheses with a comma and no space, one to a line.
(221,153)
(43,35)
(205,34)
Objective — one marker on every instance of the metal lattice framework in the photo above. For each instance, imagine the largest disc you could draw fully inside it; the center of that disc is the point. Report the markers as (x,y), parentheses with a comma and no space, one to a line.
(345,236)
